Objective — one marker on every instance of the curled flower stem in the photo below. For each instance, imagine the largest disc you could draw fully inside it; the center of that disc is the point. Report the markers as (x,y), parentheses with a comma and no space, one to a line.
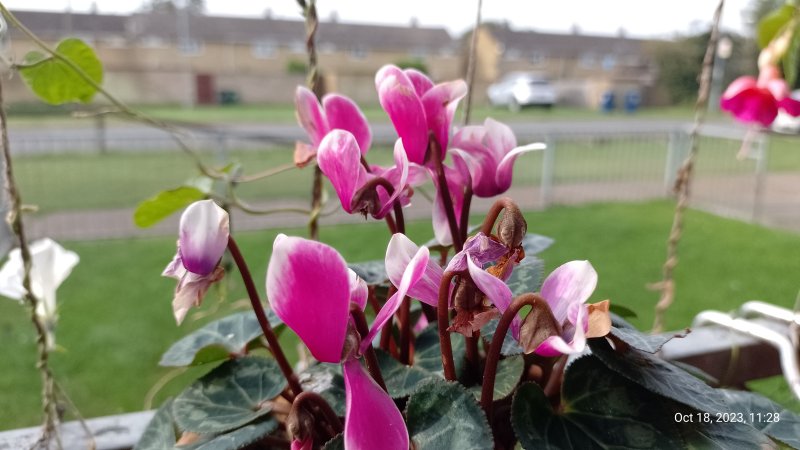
(319,409)
(493,355)
(444,191)
(369,356)
(497,207)
(258,308)
(443,321)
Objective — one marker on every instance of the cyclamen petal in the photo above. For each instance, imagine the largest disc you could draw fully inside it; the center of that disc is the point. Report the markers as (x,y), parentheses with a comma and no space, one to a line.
(421,82)
(411,275)
(398,97)
(399,253)
(572,282)
(496,291)
(505,170)
(306,444)
(342,113)
(401,165)
(479,248)
(204,233)
(339,158)
(308,287)
(191,287)
(309,115)
(440,103)
(557,345)
(358,289)
(372,420)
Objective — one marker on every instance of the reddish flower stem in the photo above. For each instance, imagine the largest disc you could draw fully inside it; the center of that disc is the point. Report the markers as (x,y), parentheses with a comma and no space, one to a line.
(258,308)
(465,212)
(405,331)
(472,356)
(493,356)
(497,207)
(386,332)
(444,191)
(369,356)
(443,322)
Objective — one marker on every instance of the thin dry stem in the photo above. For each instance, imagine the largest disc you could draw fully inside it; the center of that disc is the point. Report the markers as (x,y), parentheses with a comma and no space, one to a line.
(684,178)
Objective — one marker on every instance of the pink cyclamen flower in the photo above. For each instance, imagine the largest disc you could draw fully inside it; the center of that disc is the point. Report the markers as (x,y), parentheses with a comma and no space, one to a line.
(757,101)
(566,290)
(489,152)
(339,158)
(417,107)
(336,112)
(310,289)
(204,233)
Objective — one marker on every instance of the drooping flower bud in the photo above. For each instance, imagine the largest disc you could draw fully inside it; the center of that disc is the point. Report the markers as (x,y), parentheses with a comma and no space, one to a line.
(204,233)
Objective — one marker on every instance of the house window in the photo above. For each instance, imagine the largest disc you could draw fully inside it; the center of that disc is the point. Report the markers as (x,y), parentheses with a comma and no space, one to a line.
(359,52)
(538,57)
(190,47)
(587,60)
(609,61)
(264,49)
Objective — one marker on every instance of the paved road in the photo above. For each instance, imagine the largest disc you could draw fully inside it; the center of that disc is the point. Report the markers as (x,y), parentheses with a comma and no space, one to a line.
(120,136)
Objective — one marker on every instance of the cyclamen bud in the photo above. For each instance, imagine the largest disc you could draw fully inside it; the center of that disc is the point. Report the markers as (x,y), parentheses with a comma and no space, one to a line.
(204,233)
(511,227)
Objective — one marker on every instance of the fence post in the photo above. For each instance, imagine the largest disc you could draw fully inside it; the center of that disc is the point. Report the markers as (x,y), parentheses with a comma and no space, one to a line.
(548,172)
(761,175)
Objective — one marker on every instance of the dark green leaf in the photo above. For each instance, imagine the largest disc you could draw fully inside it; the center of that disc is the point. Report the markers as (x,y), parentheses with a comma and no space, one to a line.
(216,341)
(233,394)
(326,380)
(645,342)
(401,380)
(604,410)
(527,276)
(337,443)
(53,81)
(772,23)
(622,311)
(236,439)
(155,209)
(372,272)
(533,244)
(510,345)
(659,376)
(443,415)
(428,354)
(509,371)
(771,418)
(160,432)
(791,58)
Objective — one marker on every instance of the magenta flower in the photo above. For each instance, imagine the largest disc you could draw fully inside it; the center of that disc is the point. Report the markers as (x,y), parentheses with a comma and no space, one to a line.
(339,158)
(204,233)
(489,152)
(310,289)
(399,253)
(758,101)
(337,112)
(566,290)
(417,107)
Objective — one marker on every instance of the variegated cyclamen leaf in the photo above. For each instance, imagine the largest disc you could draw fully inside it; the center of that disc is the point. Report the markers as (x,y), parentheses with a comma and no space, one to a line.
(762,413)
(510,345)
(428,353)
(372,272)
(337,443)
(509,371)
(533,244)
(236,439)
(234,394)
(527,276)
(217,340)
(401,380)
(160,431)
(326,380)
(444,415)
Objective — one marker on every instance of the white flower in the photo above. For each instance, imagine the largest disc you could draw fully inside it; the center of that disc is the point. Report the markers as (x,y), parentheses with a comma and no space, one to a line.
(51,265)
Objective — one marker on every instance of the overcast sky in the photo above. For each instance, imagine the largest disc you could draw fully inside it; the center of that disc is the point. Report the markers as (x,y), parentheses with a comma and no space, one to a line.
(641,18)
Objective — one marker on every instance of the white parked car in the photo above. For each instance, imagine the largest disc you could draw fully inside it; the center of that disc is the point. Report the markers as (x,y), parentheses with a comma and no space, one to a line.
(519,89)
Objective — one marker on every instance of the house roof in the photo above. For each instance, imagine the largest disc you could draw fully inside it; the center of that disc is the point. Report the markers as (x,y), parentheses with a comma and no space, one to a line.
(564,45)
(168,25)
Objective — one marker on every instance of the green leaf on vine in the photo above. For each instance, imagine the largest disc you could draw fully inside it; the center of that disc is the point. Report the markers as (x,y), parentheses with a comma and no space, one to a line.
(443,415)
(602,409)
(163,204)
(233,394)
(54,81)
(772,23)
(218,340)
(401,380)
(160,432)
(326,380)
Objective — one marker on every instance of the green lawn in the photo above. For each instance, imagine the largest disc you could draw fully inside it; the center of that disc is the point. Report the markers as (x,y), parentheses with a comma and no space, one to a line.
(122,179)
(116,318)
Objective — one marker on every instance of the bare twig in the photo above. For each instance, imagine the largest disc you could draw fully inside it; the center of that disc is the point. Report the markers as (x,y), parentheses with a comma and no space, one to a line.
(473,48)
(683,179)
